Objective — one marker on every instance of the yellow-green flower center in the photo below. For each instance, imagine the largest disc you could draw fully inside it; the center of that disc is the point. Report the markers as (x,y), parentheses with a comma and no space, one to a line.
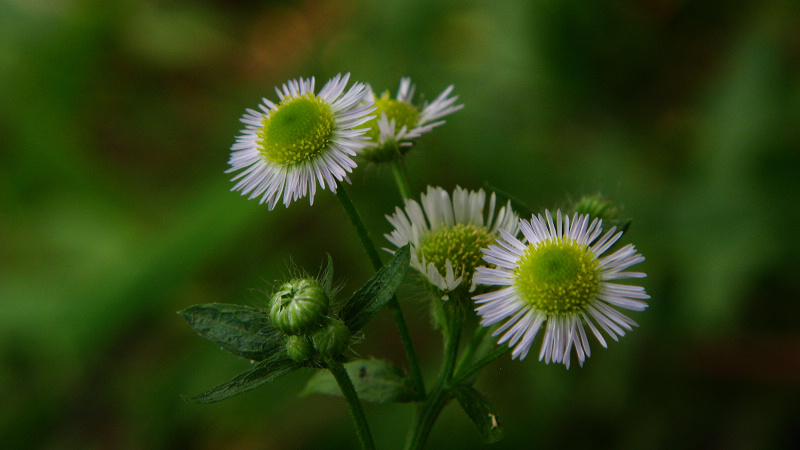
(559,276)
(461,244)
(403,114)
(297,131)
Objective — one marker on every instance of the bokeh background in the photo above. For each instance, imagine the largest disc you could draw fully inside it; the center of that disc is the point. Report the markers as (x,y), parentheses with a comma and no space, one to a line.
(115,122)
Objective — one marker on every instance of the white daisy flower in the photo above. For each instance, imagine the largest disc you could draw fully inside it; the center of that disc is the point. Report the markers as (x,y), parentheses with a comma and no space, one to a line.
(287,148)
(447,236)
(399,122)
(556,279)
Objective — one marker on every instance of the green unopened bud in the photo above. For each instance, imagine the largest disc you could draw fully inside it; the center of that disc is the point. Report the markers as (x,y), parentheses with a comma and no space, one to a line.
(299,306)
(299,348)
(332,339)
(597,206)
(384,152)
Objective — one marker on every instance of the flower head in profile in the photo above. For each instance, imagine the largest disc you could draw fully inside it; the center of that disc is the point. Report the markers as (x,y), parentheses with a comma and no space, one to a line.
(399,122)
(447,235)
(287,148)
(558,280)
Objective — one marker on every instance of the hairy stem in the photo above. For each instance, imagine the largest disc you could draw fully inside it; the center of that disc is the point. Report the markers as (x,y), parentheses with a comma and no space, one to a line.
(401,178)
(356,412)
(462,375)
(472,347)
(394,305)
(440,396)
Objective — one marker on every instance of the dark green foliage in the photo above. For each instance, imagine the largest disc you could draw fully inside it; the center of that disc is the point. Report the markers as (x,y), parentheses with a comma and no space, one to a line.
(375,293)
(275,366)
(480,412)
(241,330)
(247,332)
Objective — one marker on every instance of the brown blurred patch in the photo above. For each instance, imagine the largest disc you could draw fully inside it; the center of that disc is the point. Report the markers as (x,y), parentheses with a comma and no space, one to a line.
(756,358)
(282,36)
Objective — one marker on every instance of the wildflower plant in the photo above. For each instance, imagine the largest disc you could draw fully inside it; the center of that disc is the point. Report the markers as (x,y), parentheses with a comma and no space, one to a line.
(555,277)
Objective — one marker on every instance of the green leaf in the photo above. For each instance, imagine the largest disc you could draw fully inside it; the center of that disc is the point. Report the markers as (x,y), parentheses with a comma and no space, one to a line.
(241,330)
(277,365)
(375,380)
(327,276)
(375,293)
(480,411)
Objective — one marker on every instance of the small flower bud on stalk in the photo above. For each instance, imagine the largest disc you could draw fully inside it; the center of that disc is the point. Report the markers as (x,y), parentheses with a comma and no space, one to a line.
(299,348)
(299,306)
(332,339)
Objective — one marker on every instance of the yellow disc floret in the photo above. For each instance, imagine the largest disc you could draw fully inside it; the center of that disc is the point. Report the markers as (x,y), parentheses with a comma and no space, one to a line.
(559,276)
(298,130)
(404,114)
(461,244)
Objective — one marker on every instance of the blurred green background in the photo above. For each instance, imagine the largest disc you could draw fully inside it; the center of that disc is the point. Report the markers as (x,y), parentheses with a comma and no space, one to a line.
(115,124)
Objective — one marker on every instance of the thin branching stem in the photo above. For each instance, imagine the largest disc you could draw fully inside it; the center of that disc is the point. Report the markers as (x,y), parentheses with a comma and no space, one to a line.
(394,305)
(356,411)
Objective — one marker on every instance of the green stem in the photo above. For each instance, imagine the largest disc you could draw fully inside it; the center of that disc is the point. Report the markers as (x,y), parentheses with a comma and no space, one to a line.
(493,355)
(411,353)
(394,305)
(472,347)
(356,412)
(363,233)
(440,396)
(451,341)
(401,178)
(426,416)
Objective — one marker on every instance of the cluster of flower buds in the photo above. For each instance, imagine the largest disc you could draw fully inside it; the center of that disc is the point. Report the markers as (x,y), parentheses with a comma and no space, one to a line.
(301,309)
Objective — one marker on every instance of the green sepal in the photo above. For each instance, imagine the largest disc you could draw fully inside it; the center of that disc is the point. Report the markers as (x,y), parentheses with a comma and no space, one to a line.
(375,380)
(375,293)
(326,279)
(269,369)
(239,329)
(480,412)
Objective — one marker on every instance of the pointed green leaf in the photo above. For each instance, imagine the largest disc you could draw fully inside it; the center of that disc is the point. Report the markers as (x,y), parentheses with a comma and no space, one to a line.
(241,330)
(375,293)
(327,276)
(267,370)
(480,411)
(374,380)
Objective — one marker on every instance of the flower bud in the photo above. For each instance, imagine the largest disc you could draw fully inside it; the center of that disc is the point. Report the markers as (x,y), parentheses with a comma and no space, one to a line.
(597,206)
(299,348)
(332,339)
(299,306)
